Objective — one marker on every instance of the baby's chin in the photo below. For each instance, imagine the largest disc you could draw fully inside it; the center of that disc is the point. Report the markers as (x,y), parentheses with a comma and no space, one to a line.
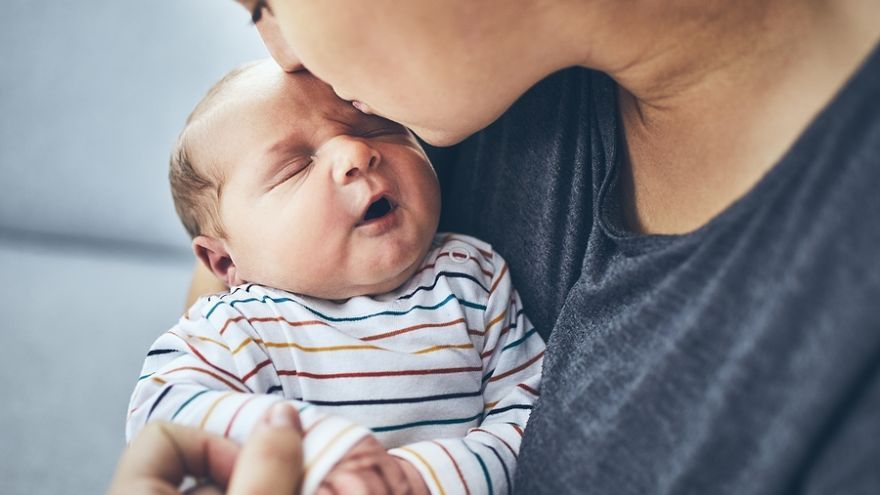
(377,284)
(346,292)
(378,268)
(380,286)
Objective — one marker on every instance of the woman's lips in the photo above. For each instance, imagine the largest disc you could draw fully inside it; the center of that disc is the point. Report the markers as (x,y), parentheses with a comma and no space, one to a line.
(363,108)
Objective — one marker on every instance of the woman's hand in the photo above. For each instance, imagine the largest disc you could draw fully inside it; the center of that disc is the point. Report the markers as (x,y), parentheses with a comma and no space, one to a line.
(163,454)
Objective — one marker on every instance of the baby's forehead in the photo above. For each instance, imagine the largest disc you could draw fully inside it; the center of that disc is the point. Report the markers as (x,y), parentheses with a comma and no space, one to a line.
(300,91)
(259,105)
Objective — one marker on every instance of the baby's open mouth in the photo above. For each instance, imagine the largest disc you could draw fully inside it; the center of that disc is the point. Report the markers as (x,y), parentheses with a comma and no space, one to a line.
(378,209)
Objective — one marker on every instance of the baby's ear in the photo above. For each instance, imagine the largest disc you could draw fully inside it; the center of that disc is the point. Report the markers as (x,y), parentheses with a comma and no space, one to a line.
(213,253)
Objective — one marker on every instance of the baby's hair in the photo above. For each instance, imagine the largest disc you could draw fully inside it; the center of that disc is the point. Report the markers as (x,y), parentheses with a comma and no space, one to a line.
(197,194)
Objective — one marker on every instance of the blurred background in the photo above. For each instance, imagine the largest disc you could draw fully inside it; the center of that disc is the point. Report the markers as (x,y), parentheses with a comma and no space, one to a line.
(95,264)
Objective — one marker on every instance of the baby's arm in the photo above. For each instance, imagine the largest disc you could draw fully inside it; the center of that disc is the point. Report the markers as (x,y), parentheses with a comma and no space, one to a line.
(485,459)
(199,375)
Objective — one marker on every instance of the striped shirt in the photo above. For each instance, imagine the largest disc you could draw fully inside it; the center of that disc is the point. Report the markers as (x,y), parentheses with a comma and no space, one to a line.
(444,371)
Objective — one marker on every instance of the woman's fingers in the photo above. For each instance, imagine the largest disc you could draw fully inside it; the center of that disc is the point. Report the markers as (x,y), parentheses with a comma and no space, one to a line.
(392,475)
(164,453)
(271,460)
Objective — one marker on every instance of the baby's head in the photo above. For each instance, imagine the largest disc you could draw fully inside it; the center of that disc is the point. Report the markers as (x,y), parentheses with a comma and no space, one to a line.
(279,182)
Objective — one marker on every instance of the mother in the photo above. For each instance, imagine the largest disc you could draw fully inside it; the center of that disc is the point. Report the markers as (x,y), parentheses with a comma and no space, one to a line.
(695,227)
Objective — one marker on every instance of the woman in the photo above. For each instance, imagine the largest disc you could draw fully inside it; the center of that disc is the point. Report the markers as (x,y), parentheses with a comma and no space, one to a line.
(695,229)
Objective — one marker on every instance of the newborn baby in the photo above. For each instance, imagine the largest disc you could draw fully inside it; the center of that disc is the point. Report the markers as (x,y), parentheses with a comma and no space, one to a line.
(344,300)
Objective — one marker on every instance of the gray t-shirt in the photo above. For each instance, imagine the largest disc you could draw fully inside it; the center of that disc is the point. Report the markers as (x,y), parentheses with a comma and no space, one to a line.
(741,358)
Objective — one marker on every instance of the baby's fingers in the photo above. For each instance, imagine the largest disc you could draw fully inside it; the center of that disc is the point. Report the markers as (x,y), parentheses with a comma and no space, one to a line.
(362,482)
(393,476)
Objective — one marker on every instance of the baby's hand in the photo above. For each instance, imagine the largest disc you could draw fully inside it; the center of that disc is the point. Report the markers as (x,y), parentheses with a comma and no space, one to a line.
(368,469)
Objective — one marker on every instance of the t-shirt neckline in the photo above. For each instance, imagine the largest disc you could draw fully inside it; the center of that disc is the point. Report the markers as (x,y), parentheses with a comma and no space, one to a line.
(608,204)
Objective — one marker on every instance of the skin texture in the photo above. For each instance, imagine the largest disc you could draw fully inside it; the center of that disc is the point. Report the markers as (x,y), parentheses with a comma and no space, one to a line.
(298,170)
(398,70)
(163,453)
(368,469)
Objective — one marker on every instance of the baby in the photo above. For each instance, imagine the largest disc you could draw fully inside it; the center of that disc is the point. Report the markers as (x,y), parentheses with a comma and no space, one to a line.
(344,301)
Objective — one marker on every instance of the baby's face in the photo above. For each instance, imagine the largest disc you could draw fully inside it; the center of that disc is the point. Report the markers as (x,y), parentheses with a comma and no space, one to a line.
(317,198)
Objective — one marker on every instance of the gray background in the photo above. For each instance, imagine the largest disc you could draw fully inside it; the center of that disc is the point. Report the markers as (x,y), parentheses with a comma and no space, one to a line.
(94,262)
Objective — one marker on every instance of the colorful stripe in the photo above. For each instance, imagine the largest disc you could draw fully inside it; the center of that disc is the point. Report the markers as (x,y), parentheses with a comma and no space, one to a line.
(518,368)
(428,467)
(412,328)
(522,339)
(158,400)
(503,441)
(528,389)
(517,427)
(205,360)
(504,331)
(338,348)
(211,409)
(401,400)
(483,467)
(467,489)
(257,368)
(377,374)
(510,408)
(437,278)
(206,372)
(157,352)
(436,348)
(235,415)
(429,422)
(280,300)
(503,466)
(188,401)
(327,446)
(498,280)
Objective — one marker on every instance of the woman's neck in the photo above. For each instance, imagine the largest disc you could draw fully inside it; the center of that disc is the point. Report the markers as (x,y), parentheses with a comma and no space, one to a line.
(711,99)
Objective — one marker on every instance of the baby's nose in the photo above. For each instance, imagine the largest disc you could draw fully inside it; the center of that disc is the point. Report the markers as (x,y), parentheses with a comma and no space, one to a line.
(352,157)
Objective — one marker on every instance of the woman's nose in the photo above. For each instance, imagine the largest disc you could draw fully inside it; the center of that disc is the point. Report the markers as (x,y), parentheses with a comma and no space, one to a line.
(352,157)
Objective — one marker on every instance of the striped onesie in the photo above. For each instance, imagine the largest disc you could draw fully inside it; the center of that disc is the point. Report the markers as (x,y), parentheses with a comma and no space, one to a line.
(444,371)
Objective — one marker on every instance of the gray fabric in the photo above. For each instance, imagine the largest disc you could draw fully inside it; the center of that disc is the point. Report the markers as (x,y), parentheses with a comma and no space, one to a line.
(740,358)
